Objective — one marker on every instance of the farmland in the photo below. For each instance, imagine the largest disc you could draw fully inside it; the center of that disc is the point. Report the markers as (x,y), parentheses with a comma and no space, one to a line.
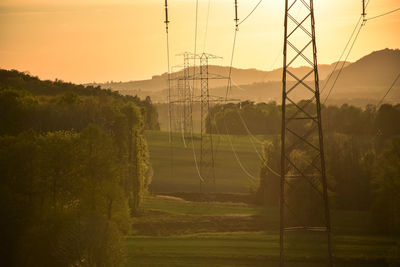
(180,174)
(175,232)
(179,226)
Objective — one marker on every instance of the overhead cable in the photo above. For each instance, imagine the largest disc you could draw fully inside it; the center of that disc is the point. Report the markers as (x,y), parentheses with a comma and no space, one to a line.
(252,11)
(384,14)
(388,91)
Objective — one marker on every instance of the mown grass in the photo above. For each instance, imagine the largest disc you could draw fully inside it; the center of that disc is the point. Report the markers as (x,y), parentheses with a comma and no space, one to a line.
(175,169)
(204,232)
(175,232)
(253,249)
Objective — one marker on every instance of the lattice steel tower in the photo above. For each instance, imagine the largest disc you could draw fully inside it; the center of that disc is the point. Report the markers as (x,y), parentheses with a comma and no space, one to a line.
(175,102)
(187,95)
(207,150)
(304,202)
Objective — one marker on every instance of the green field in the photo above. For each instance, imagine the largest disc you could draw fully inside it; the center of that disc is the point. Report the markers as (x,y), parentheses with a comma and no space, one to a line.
(175,232)
(247,249)
(175,169)
(219,229)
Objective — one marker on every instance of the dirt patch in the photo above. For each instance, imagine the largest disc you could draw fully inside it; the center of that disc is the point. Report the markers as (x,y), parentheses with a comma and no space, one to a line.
(213,197)
(166,197)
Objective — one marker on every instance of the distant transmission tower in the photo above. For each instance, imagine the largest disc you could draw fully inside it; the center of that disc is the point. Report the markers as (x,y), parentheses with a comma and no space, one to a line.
(182,100)
(176,91)
(187,95)
(304,202)
(207,148)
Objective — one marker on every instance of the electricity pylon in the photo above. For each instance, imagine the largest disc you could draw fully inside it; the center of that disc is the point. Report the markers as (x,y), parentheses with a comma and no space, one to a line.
(176,85)
(181,98)
(207,170)
(304,202)
(187,95)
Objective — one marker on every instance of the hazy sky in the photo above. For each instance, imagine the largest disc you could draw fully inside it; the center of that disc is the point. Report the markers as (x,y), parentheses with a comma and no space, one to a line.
(88,40)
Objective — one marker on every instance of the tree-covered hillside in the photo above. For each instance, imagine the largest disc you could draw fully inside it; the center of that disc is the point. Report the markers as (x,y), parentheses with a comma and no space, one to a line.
(19,81)
(74,166)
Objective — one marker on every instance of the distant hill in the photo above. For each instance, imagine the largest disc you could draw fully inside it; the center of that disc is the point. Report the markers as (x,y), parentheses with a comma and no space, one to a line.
(362,82)
(375,69)
(239,76)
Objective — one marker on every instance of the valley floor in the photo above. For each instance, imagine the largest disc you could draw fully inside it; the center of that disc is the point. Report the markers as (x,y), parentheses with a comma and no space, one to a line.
(176,232)
(223,228)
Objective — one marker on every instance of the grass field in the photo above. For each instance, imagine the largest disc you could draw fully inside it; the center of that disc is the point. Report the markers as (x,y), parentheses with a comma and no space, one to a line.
(175,169)
(249,249)
(175,232)
(180,227)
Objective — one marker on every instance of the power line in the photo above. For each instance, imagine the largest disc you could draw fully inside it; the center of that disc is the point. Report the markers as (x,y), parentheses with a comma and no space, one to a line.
(254,9)
(195,45)
(258,153)
(252,136)
(344,62)
(388,91)
(169,68)
(195,156)
(247,128)
(194,86)
(252,178)
(384,14)
(195,31)
(206,31)
(273,63)
(254,147)
(194,83)
(344,50)
(228,88)
(169,90)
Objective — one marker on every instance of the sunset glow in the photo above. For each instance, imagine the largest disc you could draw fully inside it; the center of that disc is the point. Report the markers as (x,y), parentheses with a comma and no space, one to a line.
(86,41)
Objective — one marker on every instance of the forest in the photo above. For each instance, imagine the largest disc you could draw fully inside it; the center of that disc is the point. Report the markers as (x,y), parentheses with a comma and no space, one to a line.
(361,149)
(74,166)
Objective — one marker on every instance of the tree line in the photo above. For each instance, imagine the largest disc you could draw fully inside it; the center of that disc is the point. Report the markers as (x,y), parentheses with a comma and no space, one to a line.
(74,166)
(265,119)
(361,151)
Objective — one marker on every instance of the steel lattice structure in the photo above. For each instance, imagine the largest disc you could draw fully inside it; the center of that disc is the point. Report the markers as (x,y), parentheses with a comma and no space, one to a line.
(207,147)
(187,95)
(182,99)
(304,202)
(176,83)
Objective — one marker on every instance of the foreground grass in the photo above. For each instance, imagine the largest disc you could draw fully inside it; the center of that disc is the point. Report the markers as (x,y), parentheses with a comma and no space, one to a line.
(175,232)
(252,249)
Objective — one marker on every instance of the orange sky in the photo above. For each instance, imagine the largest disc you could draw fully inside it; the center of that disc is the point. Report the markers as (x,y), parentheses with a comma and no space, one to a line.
(120,40)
